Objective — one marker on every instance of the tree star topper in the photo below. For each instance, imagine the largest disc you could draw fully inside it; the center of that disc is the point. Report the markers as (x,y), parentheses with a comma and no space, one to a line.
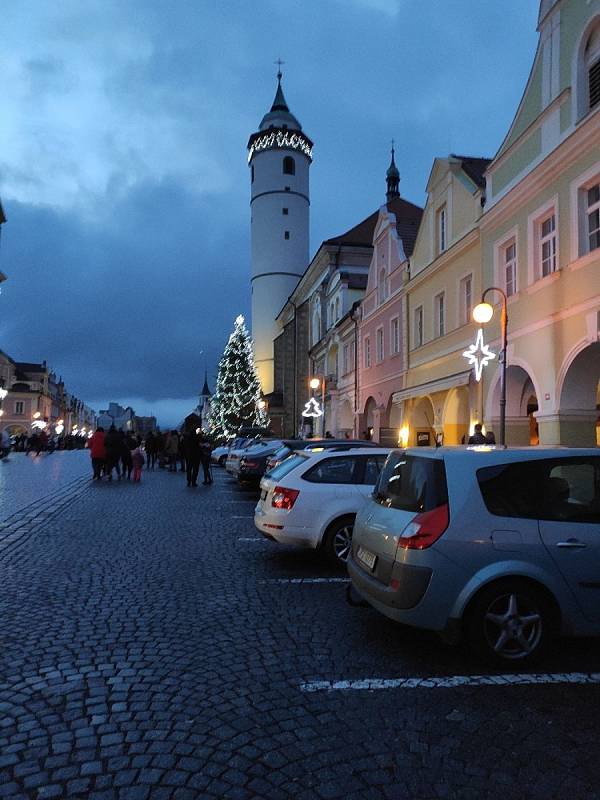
(479,354)
(312,409)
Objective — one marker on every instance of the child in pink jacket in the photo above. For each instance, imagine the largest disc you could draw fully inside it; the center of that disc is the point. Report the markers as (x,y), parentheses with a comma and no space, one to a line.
(137,458)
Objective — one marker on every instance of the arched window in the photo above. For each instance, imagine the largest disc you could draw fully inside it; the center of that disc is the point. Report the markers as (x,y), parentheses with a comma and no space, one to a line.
(289,166)
(592,68)
(587,71)
(381,286)
(316,323)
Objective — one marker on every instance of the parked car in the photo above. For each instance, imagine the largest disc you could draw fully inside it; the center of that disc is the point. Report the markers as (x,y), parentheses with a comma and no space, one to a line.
(499,546)
(289,445)
(219,455)
(311,499)
(252,464)
(235,451)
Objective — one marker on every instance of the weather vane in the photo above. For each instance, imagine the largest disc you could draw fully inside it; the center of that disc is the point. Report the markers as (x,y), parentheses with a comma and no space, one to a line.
(279,63)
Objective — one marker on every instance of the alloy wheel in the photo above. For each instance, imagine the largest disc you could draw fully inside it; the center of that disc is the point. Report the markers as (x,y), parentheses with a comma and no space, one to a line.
(513,626)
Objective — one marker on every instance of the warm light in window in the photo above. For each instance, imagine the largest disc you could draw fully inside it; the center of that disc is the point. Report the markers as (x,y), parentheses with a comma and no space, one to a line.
(483,313)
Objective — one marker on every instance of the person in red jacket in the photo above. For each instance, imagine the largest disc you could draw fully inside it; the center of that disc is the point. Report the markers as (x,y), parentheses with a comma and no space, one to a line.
(97,453)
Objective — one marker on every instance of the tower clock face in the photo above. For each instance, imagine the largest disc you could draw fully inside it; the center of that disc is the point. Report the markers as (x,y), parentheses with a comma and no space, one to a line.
(280,140)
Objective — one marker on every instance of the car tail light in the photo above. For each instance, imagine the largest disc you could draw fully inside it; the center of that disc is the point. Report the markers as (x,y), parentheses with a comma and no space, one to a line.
(250,464)
(424,529)
(284,498)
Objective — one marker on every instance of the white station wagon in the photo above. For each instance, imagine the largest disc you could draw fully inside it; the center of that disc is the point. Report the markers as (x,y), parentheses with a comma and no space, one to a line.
(311,499)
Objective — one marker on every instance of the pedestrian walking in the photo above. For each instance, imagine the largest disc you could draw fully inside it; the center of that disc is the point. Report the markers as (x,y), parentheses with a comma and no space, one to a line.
(97,452)
(151,446)
(192,450)
(112,443)
(5,445)
(172,450)
(127,444)
(205,451)
(137,457)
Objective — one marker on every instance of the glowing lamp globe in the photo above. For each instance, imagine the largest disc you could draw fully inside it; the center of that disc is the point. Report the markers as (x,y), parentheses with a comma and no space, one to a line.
(314,383)
(483,313)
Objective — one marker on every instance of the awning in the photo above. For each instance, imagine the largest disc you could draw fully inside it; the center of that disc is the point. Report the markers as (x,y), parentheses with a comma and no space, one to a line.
(429,387)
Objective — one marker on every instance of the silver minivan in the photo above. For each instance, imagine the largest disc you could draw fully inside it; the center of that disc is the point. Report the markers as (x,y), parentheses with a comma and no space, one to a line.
(500,546)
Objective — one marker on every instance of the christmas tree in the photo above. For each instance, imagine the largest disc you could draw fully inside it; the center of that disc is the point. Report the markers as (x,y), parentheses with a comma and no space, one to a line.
(235,402)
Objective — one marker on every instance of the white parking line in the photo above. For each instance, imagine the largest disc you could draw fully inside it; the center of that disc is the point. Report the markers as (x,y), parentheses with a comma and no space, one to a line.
(452,681)
(242,516)
(306,580)
(252,539)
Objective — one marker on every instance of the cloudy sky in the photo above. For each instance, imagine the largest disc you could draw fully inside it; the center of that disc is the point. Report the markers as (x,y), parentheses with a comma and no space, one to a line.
(123,174)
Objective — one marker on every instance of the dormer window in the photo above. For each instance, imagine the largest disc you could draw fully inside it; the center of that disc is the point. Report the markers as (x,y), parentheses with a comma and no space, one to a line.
(442,229)
(289,166)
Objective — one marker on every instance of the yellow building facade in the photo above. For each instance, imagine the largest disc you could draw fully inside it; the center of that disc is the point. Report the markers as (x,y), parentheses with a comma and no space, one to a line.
(531,229)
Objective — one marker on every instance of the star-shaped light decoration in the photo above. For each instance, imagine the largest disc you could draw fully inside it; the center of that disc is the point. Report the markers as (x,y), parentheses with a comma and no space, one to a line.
(312,409)
(479,354)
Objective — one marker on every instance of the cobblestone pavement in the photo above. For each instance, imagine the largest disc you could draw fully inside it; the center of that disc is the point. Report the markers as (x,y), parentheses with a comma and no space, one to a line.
(153,646)
(25,479)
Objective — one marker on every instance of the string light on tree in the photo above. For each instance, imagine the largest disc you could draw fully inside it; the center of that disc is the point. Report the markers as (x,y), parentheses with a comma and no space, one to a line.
(236,401)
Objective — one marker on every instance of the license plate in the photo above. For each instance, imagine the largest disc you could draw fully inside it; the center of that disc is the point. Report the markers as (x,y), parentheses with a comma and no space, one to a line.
(366,557)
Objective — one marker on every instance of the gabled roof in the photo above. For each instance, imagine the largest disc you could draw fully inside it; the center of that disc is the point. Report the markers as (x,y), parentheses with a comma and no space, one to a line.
(407,214)
(474,167)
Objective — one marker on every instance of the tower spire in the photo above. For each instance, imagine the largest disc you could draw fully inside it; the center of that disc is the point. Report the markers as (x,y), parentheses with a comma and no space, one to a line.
(392,177)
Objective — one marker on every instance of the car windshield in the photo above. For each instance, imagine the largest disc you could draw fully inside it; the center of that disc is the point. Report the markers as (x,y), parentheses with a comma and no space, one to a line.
(290,463)
(281,452)
(412,483)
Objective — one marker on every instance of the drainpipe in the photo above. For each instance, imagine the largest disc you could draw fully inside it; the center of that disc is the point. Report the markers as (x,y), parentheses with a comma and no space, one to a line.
(355,308)
(294,405)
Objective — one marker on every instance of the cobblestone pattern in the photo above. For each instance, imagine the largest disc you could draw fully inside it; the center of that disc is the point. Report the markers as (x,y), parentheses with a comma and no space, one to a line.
(146,653)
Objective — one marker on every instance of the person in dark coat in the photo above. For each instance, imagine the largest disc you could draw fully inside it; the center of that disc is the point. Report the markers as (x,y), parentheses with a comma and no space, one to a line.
(478,436)
(191,450)
(150,447)
(112,443)
(205,451)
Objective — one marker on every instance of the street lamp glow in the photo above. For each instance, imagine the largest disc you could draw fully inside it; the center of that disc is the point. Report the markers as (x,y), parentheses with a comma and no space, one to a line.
(482,313)
(37,415)
(314,383)
(3,393)
(261,404)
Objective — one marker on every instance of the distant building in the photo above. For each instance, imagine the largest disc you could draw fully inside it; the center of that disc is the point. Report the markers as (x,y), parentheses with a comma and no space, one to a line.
(145,425)
(122,418)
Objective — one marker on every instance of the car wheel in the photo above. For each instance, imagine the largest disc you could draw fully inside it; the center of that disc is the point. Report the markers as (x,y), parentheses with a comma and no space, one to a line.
(337,541)
(509,622)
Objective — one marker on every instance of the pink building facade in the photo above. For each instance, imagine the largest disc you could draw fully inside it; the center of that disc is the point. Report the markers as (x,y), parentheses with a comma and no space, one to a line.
(382,330)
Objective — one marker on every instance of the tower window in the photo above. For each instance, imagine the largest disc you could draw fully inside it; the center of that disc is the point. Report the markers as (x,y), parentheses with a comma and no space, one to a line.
(285,212)
(286,235)
(287,188)
(289,166)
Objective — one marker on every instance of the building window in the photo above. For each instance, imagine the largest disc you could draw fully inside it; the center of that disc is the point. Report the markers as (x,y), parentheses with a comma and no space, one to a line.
(381,286)
(466,299)
(367,342)
(442,229)
(379,345)
(19,409)
(395,335)
(286,235)
(285,212)
(509,267)
(547,245)
(346,359)
(593,217)
(289,166)
(418,326)
(440,314)
(592,68)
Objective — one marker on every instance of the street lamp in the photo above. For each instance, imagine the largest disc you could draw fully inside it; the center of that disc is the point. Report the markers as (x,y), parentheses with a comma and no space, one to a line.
(482,313)
(314,384)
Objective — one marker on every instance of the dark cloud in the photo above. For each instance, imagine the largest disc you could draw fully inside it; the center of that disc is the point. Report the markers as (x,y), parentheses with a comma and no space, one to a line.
(122,157)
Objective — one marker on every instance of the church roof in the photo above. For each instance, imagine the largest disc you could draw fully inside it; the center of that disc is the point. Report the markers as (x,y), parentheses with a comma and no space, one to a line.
(408,216)
(280,115)
(205,390)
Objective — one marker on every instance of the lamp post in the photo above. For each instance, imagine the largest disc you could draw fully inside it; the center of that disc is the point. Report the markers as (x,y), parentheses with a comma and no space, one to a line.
(314,384)
(482,313)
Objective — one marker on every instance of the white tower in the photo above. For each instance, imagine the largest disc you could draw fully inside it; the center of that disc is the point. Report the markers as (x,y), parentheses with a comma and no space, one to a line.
(279,156)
